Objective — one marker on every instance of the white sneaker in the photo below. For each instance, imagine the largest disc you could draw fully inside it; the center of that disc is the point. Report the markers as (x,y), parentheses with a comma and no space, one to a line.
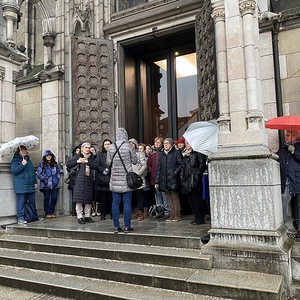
(22,222)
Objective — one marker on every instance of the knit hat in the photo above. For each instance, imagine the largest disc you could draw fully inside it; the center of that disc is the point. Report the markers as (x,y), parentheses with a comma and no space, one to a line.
(181,140)
(170,140)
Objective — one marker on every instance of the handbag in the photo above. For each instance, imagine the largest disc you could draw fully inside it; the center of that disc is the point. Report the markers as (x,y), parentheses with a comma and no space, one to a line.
(134,181)
(30,214)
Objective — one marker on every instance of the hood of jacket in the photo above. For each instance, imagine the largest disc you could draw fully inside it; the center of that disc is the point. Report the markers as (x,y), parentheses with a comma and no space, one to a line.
(135,142)
(48,152)
(121,135)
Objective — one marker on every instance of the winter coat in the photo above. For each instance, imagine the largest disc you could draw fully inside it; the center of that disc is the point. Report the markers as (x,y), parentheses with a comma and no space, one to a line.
(193,167)
(168,170)
(83,189)
(23,176)
(290,168)
(102,180)
(141,167)
(118,181)
(152,164)
(48,175)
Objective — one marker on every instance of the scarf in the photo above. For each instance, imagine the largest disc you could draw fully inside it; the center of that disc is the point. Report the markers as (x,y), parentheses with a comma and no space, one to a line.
(87,168)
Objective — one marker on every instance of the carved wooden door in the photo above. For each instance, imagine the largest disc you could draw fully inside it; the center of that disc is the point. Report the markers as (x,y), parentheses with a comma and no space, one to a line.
(92,90)
(206,64)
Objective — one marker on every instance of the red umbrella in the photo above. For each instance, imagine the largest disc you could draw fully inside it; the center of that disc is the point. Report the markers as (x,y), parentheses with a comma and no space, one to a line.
(284,123)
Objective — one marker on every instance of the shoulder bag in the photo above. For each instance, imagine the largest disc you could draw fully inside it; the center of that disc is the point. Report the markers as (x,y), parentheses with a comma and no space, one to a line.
(134,181)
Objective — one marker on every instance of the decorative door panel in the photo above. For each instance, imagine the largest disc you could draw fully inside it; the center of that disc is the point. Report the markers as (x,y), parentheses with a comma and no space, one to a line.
(92,90)
(206,64)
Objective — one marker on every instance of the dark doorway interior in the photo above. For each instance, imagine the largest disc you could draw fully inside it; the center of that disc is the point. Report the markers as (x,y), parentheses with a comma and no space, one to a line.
(161,86)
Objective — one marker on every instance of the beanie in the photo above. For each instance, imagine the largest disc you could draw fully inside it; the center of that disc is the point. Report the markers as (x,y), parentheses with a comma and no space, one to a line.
(170,140)
(181,140)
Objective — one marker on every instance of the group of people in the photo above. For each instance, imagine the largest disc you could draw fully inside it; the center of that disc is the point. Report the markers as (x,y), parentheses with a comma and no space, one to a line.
(167,170)
(100,179)
(25,182)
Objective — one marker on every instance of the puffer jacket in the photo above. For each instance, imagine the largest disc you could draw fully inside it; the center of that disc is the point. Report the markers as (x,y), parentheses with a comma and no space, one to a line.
(118,183)
(141,167)
(83,189)
(193,167)
(23,176)
(290,168)
(48,175)
(168,170)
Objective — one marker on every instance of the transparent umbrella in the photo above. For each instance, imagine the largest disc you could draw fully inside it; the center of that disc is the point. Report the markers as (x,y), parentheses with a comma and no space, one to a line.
(10,147)
(203,136)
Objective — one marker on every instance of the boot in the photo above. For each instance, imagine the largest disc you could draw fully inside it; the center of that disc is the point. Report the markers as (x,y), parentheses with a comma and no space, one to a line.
(141,216)
(146,212)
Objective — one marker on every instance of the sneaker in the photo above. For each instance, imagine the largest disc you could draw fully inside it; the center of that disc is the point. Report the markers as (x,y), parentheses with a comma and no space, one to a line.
(81,221)
(93,214)
(176,219)
(22,222)
(169,219)
(128,229)
(118,229)
(89,220)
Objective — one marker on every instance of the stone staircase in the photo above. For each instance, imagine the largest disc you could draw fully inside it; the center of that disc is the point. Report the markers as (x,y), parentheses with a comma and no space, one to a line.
(102,265)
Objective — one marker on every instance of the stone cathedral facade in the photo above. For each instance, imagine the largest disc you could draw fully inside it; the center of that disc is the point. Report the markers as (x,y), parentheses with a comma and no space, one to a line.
(74,71)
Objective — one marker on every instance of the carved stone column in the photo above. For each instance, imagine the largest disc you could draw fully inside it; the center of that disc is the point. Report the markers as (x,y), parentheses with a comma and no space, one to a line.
(254,116)
(49,42)
(10,14)
(218,15)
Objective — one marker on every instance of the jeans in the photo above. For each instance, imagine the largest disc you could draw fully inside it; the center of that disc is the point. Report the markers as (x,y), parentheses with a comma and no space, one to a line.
(161,200)
(21,203)
(116,200)
(50,199)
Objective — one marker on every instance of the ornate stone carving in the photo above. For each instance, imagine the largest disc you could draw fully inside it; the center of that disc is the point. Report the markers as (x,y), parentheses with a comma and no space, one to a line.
(2,73)
(247,7)
(15,77)
(206,63)
(93,98)
(49,42)
(83,16)
(218,14)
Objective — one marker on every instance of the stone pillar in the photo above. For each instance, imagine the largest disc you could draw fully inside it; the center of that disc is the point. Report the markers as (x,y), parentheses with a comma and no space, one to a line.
(52,134)
(218,15)
(8,78)
(247,231)
(10,14)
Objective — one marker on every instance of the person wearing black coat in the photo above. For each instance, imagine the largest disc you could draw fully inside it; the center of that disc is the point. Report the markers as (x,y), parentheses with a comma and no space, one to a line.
(289,159)
(102,178)
(83,183)
(193,167)
(167,178)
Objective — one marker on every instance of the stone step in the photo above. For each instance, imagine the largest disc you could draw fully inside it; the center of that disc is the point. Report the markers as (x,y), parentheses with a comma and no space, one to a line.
(169,256)
(80,287)
(170,240)
(206,284)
